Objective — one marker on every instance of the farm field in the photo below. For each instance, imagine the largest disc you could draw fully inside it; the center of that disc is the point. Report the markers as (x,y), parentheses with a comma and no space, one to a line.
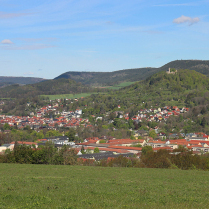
(121,85)
(50,186)
(67,96)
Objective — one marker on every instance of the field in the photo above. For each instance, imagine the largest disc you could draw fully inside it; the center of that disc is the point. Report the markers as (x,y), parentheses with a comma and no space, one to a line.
(67,96)
(48,186)
(73,96)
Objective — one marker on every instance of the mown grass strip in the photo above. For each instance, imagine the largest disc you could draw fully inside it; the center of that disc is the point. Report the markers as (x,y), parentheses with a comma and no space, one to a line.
(119,86)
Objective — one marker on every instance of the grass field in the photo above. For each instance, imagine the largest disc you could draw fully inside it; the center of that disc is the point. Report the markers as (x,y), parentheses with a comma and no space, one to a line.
(67,96)
(48,186)
(73,96)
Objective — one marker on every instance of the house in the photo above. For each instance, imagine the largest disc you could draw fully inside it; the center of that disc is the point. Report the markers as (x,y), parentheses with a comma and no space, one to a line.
(162,135)
(197,138)
(106,155)
(141,133)
(155,144)
(25,143)
(199,148)
(78,111)
(173,136)
(4,147)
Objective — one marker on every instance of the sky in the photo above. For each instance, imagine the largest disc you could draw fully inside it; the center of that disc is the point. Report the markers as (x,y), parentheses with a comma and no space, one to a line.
(45,38)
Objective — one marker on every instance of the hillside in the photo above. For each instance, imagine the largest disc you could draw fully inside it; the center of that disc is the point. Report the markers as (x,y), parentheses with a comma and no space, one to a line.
(137,74)
(109,78)
(185,88)
(49,87)
(163,88)
(8,80)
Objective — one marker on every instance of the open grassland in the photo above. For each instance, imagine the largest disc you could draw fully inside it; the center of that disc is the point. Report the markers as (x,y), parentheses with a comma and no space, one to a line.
(73,96)
(67,96)
(49,186)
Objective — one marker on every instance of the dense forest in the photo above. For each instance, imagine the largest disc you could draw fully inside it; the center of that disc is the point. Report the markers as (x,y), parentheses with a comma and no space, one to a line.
(9,80)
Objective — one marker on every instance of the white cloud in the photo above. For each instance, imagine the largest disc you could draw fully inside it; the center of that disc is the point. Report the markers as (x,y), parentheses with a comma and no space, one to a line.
(185,19)
(6,41)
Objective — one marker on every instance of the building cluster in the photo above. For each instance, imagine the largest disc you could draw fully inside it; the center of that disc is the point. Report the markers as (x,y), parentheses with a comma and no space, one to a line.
(159,114)
(111,147)
(118,146)
(65,119)
(52,110)
(153,114)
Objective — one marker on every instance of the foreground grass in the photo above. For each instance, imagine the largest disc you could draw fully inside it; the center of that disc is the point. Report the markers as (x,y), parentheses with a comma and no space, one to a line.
(49,186)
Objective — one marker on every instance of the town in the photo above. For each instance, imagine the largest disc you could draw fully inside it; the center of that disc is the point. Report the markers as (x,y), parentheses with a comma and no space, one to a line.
(106,146)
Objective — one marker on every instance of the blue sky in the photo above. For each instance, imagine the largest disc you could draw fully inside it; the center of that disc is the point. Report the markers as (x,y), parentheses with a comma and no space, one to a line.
(45,38)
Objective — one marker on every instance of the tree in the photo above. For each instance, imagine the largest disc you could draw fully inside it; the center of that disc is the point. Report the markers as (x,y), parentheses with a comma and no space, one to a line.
(70,157)
(82,150)
(152,134)
(132,137)
(71,134)
(40,135)
(88,151)
(96,150)
(203,122)
(7,126)
(146,150)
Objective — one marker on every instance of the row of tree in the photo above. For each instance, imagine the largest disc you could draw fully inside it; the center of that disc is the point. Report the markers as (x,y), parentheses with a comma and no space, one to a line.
(47,154)
(180,158)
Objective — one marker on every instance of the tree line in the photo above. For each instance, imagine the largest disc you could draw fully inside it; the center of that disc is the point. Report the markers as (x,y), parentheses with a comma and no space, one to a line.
(180,158)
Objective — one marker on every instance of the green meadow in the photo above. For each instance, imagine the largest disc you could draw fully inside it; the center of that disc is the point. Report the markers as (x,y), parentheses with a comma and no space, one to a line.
(67,96)
(51,186)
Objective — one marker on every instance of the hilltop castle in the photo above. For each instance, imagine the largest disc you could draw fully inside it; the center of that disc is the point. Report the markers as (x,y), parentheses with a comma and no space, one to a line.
(171,71)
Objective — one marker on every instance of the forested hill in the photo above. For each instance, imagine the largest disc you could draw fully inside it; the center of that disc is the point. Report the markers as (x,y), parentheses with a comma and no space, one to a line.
(49,87)
(201,66)
(181,88)
(184,88)
(19,80)
(109,78)
(137,74)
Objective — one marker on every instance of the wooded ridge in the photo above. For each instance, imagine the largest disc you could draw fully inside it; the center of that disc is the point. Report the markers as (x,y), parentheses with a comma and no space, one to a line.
(136,74)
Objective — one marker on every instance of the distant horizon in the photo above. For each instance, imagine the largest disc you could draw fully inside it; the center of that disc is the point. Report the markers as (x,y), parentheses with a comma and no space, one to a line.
(101,71)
